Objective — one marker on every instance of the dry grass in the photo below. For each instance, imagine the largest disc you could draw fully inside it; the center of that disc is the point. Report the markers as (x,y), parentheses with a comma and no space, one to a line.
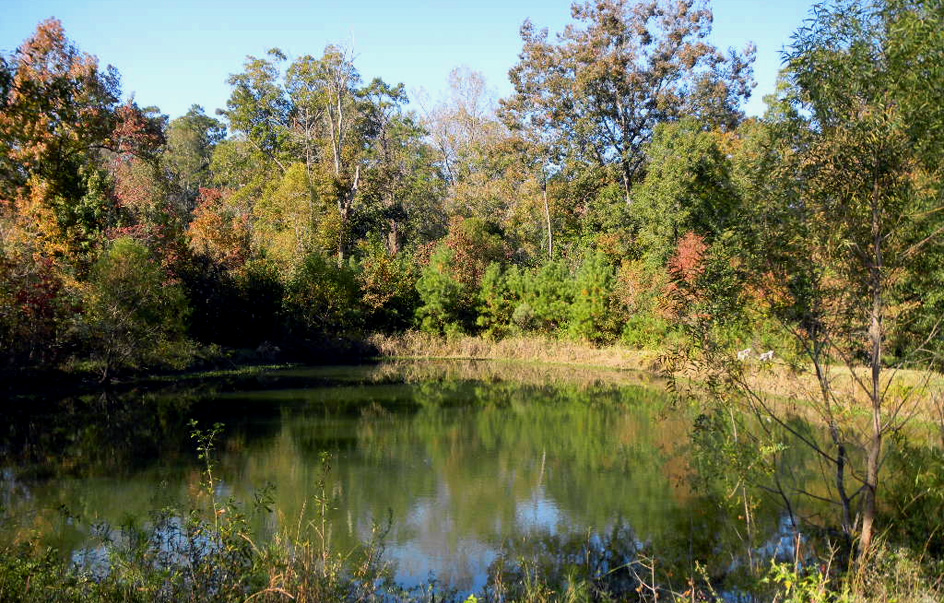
(516,370)
(533,349)
(911,394)
(575,361)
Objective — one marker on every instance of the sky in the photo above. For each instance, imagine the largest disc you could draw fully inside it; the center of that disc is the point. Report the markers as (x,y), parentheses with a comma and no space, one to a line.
(176,53)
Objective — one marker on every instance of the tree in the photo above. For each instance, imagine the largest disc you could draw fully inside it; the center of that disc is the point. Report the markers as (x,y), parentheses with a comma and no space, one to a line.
(57,107)
(853,211)
(687,188)
(318,115)
(292,219)
(624,68)
(492,172)
(133,314)
(402,182)
(870,203)
(321,298)
(258,107)
(460,122)
(324,101)
(191,140)
(591,316)
(450,283)
(219,231)
(58,110)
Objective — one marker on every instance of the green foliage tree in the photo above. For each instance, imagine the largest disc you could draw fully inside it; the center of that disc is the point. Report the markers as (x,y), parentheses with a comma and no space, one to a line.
(321,299)
(870,201)
(258,107)
(626,67)
(191,140)
(291,220)
(687,189)
(521,300)
(402,189)
(548,295)
(591,317)
(360,153)
(441,296)
(499,296)
(133,315)
(325,113)
(852,209)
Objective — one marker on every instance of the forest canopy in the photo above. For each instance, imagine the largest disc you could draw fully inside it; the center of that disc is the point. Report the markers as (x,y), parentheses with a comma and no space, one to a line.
(616,192)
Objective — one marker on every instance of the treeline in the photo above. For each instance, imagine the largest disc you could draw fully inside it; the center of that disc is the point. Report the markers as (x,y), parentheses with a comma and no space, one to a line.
(618,195)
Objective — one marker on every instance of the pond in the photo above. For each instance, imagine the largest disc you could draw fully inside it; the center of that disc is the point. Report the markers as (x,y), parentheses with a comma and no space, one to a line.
(460,464)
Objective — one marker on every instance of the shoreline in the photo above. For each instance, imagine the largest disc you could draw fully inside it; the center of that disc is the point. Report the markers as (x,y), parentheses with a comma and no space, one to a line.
(582,361)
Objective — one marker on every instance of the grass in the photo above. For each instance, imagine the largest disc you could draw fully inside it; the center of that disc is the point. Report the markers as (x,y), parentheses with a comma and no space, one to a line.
(788,384)
(533,349)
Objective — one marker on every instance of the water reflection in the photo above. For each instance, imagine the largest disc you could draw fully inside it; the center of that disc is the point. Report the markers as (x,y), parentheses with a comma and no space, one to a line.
(465,470)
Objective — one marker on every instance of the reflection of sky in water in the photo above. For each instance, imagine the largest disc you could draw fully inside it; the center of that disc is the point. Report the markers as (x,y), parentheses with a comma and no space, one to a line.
(426,544)
(539,513)
(465,568)
(782,545)
(11,490)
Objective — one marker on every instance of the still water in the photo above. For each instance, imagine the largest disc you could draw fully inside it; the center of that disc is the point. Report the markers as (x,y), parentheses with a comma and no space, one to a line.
(461,462)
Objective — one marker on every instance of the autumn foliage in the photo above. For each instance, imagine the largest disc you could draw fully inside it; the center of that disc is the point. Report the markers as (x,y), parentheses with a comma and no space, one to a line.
(687,264)
(219,231)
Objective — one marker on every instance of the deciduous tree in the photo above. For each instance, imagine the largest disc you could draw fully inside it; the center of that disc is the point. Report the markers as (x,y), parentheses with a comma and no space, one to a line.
(620,70)
(191,140)
(853,211)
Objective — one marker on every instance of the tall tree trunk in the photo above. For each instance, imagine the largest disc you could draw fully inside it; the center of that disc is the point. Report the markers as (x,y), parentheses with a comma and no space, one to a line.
(547,217)
(393,238)
(627,182)
(874,448)
(345,208)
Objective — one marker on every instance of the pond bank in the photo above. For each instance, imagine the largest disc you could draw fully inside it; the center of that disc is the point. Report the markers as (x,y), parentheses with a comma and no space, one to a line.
(535,349)
(779,379)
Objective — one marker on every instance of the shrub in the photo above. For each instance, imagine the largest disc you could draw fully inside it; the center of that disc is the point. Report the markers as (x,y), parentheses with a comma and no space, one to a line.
(498,300)
(388,288)
(590,315)
(321,298)
(134,314)
(442,296)
(547,294)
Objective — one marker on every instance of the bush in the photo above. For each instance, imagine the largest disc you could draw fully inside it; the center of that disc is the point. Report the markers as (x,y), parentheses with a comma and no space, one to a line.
(321,299)
(547,296)
(499,298)
(590,315)
(443,310)
(35,305)
(388,288)
(134,314)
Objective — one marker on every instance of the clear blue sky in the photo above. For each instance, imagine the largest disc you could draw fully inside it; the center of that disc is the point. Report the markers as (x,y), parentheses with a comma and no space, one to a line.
(175,53)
